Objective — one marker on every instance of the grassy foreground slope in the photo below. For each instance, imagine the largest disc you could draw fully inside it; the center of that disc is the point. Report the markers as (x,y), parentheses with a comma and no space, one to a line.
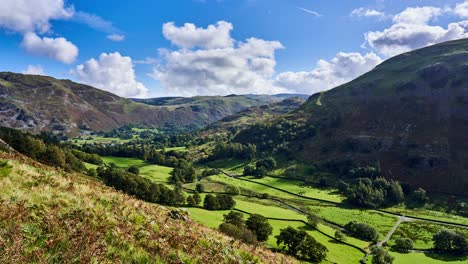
(52,216)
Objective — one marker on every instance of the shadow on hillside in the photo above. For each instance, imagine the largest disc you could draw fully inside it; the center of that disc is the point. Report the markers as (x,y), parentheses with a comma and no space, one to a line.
(447,257)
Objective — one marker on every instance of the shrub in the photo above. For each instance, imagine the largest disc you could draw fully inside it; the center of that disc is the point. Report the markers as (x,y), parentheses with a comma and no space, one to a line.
(363,231)
(260,226)
(403,245)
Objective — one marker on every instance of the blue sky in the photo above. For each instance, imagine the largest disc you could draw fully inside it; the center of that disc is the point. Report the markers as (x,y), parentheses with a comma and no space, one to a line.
(302,46)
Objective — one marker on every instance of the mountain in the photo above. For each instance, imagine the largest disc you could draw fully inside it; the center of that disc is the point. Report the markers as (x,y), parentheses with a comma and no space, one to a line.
(408,117)
(52,216)
(254,115)
(41,103)
(277,97)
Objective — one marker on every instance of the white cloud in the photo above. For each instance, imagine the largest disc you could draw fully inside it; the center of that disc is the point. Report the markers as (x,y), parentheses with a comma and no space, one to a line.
(461,9)
(365,12)
(34,70)
(189,36)
(116,37)
(343,68)
(314,13)
(233,70)
(112,72)
(411,30)
(56,48)
(218,66)
(27,16)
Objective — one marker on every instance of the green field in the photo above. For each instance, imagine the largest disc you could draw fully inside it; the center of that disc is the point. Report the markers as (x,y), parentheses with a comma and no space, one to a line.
(266,208)
(421,233)
(424,258)
(429,214)
(156,173)
(97,139)
(90,166)
(209,218)
(123,162)
(298,187)
(341,215)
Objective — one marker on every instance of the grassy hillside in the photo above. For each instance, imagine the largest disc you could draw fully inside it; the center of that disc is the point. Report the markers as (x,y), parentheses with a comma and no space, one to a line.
(254,114)
(41,103)
(52,216)
(408,117)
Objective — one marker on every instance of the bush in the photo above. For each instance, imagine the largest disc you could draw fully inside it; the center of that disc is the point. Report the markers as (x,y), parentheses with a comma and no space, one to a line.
(403,245)
(340,236)
(381,256)
(260,226)
(363,231)
(449,241)
(218,202)
(134,169)
(301,245)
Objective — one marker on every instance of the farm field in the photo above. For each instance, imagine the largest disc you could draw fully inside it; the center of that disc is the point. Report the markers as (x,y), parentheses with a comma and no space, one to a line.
(299,188)
(421,233)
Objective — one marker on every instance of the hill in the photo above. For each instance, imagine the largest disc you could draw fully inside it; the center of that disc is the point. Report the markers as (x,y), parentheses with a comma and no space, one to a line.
(407,117)
(254,115)
(42,103)
(48,215)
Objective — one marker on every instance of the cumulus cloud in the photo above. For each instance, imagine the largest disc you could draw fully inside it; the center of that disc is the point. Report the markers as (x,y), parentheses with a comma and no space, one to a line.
(112,72)
(366,12)
(116,37)
(411,29)
(34,70)
(343,68)
(190,36)
(218,66)
(461,9)
(56,48)
(27,16)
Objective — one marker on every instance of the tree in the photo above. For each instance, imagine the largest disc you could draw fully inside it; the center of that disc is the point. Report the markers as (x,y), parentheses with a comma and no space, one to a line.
(291,238)
(191,201)
(249,170)
(313,220)
(403,245)
(259,225)
(267,163)
(300,244)
(200,188)
(54,156)
(239,232)
(234,190)
(419,197)
(134,169)
(450,241)
(340,236)
(196,198)
(380,256)
(234,218)
(363,231)
(311,250)
(210,202)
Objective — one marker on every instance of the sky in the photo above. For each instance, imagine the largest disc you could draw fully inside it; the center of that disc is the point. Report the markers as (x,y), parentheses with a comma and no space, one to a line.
(150,48)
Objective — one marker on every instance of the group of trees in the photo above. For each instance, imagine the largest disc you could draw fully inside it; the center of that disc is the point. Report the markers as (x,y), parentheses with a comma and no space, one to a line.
(44,148)
(261,168)
(183,172)
(375,193)
(140,187)
(255,229)
(301,245)
(223,150)
(362,231)
(449,241)
(219,202)
(275,138)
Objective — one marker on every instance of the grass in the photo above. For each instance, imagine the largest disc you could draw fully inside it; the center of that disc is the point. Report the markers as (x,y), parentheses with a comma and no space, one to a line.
(90,166)
(232,165)
(209,218)
(426,258)
(53,216)
(90,139)
(340,215)
(430,214)
(266,208)
(421,233)
(123,162)
(298,187)
(156,173)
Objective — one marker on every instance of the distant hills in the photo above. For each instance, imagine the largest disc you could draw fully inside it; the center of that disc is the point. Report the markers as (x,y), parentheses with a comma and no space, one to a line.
(40,103)
(407,117)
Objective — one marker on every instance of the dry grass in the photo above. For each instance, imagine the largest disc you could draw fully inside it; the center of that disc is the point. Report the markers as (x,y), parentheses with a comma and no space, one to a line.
(48,216)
